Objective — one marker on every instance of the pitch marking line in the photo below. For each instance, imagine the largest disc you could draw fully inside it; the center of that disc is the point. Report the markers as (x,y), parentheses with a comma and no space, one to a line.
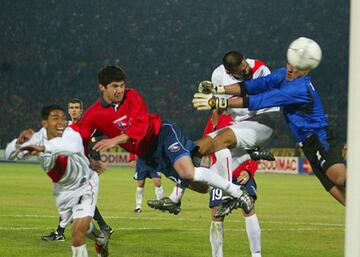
(173,218)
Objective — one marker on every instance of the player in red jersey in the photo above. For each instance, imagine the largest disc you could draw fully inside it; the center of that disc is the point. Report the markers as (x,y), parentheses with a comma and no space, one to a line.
(121,114)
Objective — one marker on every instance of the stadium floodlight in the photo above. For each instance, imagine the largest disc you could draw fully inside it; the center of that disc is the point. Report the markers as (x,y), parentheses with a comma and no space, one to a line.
(352,232)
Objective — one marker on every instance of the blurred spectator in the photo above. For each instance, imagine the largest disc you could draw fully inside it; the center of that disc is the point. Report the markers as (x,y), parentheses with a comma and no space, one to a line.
(53,50)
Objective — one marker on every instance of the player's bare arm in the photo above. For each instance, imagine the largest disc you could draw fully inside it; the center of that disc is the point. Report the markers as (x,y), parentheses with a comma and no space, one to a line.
(33,149)
(107,143)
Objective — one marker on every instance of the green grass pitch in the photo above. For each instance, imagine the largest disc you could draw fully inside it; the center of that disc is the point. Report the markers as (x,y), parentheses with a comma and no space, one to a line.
(297,217)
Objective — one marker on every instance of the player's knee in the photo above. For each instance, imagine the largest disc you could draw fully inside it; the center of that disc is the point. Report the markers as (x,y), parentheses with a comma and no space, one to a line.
(141,183)
(337,174)
(185,168)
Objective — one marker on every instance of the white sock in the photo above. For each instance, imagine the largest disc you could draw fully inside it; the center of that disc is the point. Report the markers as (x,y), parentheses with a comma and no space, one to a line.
(254,235)
(213,179)
(159,192)
(216,238)
(79,251)
(139,196)
(177,194)
(95,234)
(223,164)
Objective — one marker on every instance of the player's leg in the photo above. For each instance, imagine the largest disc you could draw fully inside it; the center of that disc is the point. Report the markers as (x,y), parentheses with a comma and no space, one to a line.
(86,207)
(242,176)
(101,222)
(338,193)
(251,220)
(216,236)
(337,174)
(159,191)
(57,235)
(177,193)
(216,141)
(139,195)
(177,149)
(253,232)
(80,227)
(327,164)
(245,134)
(101,239)
(141,173)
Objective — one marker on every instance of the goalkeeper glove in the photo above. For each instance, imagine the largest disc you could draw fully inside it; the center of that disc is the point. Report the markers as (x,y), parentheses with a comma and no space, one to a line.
(206,102)
(207,87)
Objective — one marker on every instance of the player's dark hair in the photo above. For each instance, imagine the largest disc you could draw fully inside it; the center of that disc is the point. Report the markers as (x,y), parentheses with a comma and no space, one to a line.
(45,111)
(111,73)
(76,101)
(232,59)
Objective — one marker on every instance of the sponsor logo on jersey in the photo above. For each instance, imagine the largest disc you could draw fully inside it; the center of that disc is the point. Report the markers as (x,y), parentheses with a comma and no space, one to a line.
(121,123)
(174,147)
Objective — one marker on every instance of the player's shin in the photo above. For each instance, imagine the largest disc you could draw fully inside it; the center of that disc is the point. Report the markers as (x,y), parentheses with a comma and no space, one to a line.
(254,235)
(216,238)
(139,196)
(177,194)
(210,177)
(159,192)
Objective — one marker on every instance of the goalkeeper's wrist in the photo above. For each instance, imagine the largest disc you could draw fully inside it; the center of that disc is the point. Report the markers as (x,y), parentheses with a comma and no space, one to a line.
(222,102)
(220,89)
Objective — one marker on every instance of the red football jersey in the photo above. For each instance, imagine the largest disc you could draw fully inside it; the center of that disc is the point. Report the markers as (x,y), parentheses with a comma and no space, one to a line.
(130,117)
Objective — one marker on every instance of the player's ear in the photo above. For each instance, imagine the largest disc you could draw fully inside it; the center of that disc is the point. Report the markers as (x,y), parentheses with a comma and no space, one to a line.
(102,88)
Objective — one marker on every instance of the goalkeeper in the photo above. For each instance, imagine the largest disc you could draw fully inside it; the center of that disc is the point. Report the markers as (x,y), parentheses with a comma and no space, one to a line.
(292,89)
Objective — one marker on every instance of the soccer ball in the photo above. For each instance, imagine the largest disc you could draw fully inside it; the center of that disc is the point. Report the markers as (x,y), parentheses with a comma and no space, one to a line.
(304,54)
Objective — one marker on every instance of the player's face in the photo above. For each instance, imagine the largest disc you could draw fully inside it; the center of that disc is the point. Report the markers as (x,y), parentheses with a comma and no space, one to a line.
(75,111)
(113,92)
(55,124)
(293,73)
(241,72)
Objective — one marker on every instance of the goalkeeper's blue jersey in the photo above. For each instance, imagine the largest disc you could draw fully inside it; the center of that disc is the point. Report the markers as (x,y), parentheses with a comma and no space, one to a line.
(298,99)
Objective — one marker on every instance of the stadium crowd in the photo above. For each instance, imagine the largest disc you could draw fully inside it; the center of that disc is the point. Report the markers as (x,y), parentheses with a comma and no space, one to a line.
(52,52)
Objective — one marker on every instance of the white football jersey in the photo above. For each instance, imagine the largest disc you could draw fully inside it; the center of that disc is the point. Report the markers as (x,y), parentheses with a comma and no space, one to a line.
(63,160)
(221,77)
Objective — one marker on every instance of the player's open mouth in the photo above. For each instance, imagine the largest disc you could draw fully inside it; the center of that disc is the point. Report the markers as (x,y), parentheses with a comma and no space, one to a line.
(60,131)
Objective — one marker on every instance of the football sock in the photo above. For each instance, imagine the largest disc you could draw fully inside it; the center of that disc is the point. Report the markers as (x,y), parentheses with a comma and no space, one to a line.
(60,230)
(177,194)
(139,196)
(79,251)
(216,238)
(254,235)
(99,219)
(159,192)
(213,179)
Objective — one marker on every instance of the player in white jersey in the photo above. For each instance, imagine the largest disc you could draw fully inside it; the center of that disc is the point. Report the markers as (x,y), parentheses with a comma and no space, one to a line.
(75,111)
(251,129)
(75,184)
